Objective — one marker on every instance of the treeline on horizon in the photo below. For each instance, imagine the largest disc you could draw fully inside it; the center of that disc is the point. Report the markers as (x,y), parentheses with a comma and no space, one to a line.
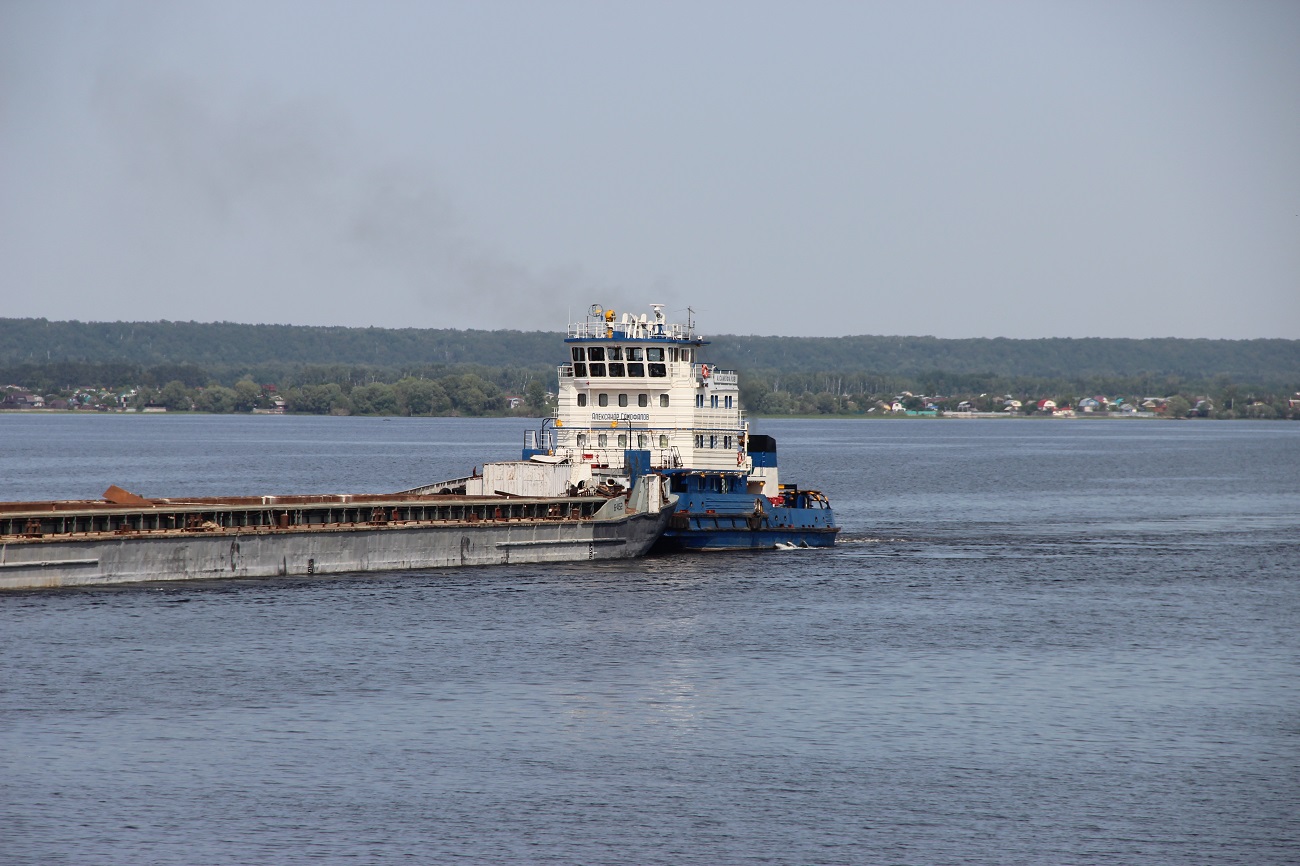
(475,371)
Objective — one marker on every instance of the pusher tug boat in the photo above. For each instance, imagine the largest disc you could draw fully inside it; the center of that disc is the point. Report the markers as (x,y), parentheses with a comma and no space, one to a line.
(637,396)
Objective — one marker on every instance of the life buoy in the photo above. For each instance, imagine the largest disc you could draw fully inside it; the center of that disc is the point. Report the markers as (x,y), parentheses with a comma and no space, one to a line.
(740,458)
(704,370)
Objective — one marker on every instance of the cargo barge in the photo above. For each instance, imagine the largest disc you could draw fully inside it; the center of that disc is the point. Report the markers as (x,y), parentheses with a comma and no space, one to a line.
(127,538)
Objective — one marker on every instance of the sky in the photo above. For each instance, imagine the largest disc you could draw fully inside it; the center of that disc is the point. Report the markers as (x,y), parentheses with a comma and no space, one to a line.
(955,169)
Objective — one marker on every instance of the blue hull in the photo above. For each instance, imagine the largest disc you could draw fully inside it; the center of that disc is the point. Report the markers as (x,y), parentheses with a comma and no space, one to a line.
(701,537)
(714,520)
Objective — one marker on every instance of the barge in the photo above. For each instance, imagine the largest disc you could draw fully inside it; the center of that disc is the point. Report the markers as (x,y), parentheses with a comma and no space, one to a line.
(127,538)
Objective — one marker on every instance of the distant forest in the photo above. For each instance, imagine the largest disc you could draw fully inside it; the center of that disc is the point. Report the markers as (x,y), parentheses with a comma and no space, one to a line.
(779,375)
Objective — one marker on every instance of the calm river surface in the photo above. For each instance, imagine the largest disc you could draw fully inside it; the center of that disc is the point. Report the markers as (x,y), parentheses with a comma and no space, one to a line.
(1047,642)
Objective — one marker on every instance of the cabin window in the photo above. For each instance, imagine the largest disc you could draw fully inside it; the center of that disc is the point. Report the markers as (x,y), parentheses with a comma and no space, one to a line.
(582,399)
(663,440)
(576,351)
(634,353)
(602,440)
(602,399)
(636,369)
(663,401)
(726,442)
(582,440)
(580,370)
(615,353)
(596,353)
(622,400)
(699,440)
(713,441)
(597,370)
(642,441)
(616,370)
(654,355)
(699,401)
(728,398)
(622,440)
(713,401)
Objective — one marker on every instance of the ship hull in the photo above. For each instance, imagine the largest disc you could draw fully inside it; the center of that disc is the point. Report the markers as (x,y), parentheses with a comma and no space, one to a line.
(257,552)
(737,530)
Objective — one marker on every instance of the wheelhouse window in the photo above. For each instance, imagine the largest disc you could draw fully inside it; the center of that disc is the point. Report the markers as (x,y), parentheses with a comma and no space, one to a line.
(580,371)
(596,353)
(616,370)
(602,399)
(658,370)
(597,370)
(615,353)
(654,354)
(634,369)
(577,353)
(634,353)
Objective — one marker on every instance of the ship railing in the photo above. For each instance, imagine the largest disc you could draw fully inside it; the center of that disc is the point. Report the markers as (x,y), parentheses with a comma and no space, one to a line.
(612,458)
(718,377)
(628,329)
(726,420)
(539,440)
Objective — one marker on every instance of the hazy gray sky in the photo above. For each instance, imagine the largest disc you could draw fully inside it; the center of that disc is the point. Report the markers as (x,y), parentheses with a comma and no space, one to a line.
(1023,169)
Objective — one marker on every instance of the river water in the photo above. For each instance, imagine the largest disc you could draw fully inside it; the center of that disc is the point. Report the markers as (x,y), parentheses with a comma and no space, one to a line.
(1046,642)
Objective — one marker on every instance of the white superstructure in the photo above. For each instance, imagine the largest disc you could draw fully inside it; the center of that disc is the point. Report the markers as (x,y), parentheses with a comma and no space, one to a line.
(636,382)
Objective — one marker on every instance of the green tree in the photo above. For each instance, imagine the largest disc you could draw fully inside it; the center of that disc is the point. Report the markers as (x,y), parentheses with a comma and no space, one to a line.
(374,399)
(216,398)
(471,394)
(326,399)
(176,397)
(421,397)
(1260,410)
(1177,406)
(247,395)
(535,396)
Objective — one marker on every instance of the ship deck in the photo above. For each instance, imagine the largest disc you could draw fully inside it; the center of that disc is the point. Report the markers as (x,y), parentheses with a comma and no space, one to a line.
(32,521)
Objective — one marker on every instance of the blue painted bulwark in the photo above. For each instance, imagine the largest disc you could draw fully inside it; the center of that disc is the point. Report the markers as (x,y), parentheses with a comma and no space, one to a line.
(725,511)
